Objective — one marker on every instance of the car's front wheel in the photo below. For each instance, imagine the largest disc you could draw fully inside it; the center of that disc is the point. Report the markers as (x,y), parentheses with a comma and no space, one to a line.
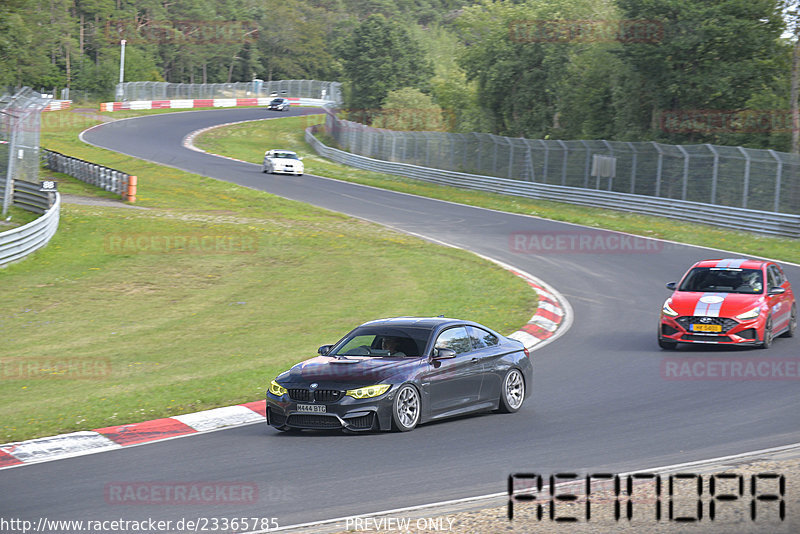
(792,323)
(512,394)
(406,408)
(767,339)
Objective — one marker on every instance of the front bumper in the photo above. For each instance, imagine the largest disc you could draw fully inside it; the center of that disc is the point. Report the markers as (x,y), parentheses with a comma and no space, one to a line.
(733,332)
(347,413)
(292,170)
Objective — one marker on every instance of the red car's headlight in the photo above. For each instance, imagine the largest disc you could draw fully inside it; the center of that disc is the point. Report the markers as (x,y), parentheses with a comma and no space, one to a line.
(666,310)
(752,314)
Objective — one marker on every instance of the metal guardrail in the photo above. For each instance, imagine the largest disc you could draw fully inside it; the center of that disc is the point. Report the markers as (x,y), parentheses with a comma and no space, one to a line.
(30,197)
(17,243)
(91,173)
(763,222)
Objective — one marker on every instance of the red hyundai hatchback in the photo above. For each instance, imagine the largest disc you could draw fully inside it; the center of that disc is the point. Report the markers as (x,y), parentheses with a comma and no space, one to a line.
(729,302)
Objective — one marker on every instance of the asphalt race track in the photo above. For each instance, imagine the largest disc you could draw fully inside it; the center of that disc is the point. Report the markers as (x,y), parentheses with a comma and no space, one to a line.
(601,401)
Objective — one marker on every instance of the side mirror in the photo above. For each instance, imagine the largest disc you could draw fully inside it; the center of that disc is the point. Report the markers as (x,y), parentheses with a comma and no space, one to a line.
(443,354)
(776,291)
(672,285)
(324,349)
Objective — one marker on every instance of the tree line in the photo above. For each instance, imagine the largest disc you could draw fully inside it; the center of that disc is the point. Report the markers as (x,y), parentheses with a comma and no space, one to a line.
(677,71)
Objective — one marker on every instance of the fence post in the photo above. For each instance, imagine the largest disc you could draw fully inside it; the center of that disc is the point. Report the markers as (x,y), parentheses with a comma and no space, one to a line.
(714,173)
(564,162)
(685,171)
(778,176)
(746,185)
(480,152)
(546,160)
(659,168)
(611,152)
(12,156)
(586,168)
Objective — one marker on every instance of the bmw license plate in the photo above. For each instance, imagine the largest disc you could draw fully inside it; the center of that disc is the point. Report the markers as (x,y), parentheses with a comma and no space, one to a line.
(313,408)
(706,328)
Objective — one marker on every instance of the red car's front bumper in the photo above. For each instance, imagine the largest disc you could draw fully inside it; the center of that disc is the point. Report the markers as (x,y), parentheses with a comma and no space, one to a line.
(732,331)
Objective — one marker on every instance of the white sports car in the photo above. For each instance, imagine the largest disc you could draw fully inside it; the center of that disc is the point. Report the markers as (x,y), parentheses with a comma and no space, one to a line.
(283,161)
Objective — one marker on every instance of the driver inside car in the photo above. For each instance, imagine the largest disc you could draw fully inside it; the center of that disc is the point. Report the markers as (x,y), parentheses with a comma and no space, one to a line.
(392,344)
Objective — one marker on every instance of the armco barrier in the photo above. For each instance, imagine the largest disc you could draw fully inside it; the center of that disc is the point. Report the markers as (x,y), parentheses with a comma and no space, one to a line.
(103,177)
(17,243)
(730,217)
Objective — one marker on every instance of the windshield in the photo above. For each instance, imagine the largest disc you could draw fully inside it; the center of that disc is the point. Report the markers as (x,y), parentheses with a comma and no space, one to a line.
(383,341)
(723,280)
(276,101)
(285,155)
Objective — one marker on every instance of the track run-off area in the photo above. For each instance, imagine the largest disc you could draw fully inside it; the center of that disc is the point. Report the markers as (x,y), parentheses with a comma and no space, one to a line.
(604,396)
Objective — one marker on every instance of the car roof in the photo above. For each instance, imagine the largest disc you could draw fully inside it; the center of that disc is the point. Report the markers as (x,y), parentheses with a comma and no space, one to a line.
(733,263)
(422,322)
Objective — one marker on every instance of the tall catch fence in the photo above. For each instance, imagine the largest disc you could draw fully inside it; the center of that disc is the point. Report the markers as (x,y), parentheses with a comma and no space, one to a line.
(725,176)
(131,91)
(20,120)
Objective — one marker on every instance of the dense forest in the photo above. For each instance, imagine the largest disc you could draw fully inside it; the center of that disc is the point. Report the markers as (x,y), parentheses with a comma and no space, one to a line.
(681,71)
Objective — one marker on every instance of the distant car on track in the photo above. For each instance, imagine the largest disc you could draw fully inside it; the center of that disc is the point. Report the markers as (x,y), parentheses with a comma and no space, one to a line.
(279,104)
(282,161)
(397,373)
(729,302)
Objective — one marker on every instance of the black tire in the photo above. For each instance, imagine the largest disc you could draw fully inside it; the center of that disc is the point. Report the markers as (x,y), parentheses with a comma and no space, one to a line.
(792,323)
(667,345)
(406,408)
(767,341)
(512,392)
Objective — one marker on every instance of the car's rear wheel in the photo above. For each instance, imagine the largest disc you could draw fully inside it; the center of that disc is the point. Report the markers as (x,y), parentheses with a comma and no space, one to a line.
(512,393)
(667,345)
(767,340)
(406,408)
(792,323)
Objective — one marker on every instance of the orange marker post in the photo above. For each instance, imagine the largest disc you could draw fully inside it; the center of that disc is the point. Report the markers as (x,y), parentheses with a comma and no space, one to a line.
(131,196)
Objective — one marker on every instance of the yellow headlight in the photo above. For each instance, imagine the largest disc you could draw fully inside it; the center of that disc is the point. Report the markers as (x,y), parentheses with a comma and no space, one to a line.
(276,389)
(368,391)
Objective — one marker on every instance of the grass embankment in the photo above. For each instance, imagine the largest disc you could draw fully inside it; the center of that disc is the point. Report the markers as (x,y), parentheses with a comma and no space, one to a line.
(247,142)
(104,326)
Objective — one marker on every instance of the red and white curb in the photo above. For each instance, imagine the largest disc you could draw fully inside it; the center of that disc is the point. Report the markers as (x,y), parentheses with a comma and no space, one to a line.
(115,437)
(548,318)
(58,105)
(191,103)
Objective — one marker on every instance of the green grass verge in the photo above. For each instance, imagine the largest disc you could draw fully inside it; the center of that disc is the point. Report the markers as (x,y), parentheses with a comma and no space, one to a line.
(16,217)
(248,141)
(99,328)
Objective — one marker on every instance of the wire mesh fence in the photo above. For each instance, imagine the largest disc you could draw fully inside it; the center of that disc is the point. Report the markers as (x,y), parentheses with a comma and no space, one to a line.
(755,179)
(130,91)
(20,120)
